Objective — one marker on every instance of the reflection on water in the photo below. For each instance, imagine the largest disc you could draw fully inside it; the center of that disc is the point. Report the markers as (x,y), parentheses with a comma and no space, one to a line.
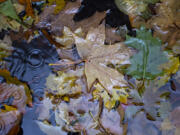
(29,62)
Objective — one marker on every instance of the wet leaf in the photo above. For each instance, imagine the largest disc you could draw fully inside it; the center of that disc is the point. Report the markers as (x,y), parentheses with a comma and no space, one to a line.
(145,64)
(110,101)
(97,55)
(6,23)
(131,111)
(7,9)
(17,93)
(59,5)
(12,80)
(76,116)
(65,83)
(5,47)
(142,126)
(166,23)
(49,129)
(135,7)
(8,120)
(65,18)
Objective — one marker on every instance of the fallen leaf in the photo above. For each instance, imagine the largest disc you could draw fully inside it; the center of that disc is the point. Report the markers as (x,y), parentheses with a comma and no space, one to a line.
(49,129)
(97,55)
(142,126)
(8,120)
(111,122)
(5,47)
(75,116)
(166,22)
(6,23)
(7,9)
(13,80)
(17,93)
(68,84)
(112,35)
(65,18)
(135,7)
(145,64)
(110,101)
(59,5)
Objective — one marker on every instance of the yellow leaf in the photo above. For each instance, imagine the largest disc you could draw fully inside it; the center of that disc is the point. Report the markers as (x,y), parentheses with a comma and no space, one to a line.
(109,102)
(60,4)
(65,83)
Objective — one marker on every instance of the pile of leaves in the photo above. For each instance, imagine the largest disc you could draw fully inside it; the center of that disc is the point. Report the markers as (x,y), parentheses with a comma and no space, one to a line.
(117,72)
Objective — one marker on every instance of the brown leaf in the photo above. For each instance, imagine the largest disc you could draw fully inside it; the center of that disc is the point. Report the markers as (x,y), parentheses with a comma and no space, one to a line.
(8,120)
(97,55)
(166,22)
(112,36)
(56,23)
(16,92)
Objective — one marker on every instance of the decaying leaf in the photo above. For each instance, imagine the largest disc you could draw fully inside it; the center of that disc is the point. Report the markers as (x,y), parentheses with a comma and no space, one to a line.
(49,129)
(5,47)
(167,22)
(150,99)
(145,64)
(169,68)
(110,101)
(8,120)
(97,55)
(135,7)
(7,9)
(65,83)
(142,126)
(59,5)
(6,23)
(12,80)
(17,93)
(67,39)
(65,18)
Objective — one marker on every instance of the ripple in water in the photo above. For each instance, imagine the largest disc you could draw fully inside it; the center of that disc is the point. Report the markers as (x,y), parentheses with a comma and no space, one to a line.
(29,62)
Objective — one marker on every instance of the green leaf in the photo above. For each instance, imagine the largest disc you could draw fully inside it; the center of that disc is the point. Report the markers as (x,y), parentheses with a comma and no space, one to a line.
(145,63)
(7,9)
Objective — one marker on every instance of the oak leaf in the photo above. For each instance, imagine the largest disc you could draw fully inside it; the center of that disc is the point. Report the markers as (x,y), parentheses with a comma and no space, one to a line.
(97,55)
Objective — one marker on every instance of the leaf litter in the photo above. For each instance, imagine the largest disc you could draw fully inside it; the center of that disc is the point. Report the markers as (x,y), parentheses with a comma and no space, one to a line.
(105,82)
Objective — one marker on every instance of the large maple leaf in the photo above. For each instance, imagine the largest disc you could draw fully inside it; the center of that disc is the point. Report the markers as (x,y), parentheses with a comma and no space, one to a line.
(97,55)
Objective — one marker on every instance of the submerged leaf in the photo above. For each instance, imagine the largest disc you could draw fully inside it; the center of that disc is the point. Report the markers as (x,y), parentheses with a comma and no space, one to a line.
(146,63)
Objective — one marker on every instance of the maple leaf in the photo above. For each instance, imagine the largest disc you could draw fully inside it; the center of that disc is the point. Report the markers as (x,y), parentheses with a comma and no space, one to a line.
(145,64)
(97,55)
